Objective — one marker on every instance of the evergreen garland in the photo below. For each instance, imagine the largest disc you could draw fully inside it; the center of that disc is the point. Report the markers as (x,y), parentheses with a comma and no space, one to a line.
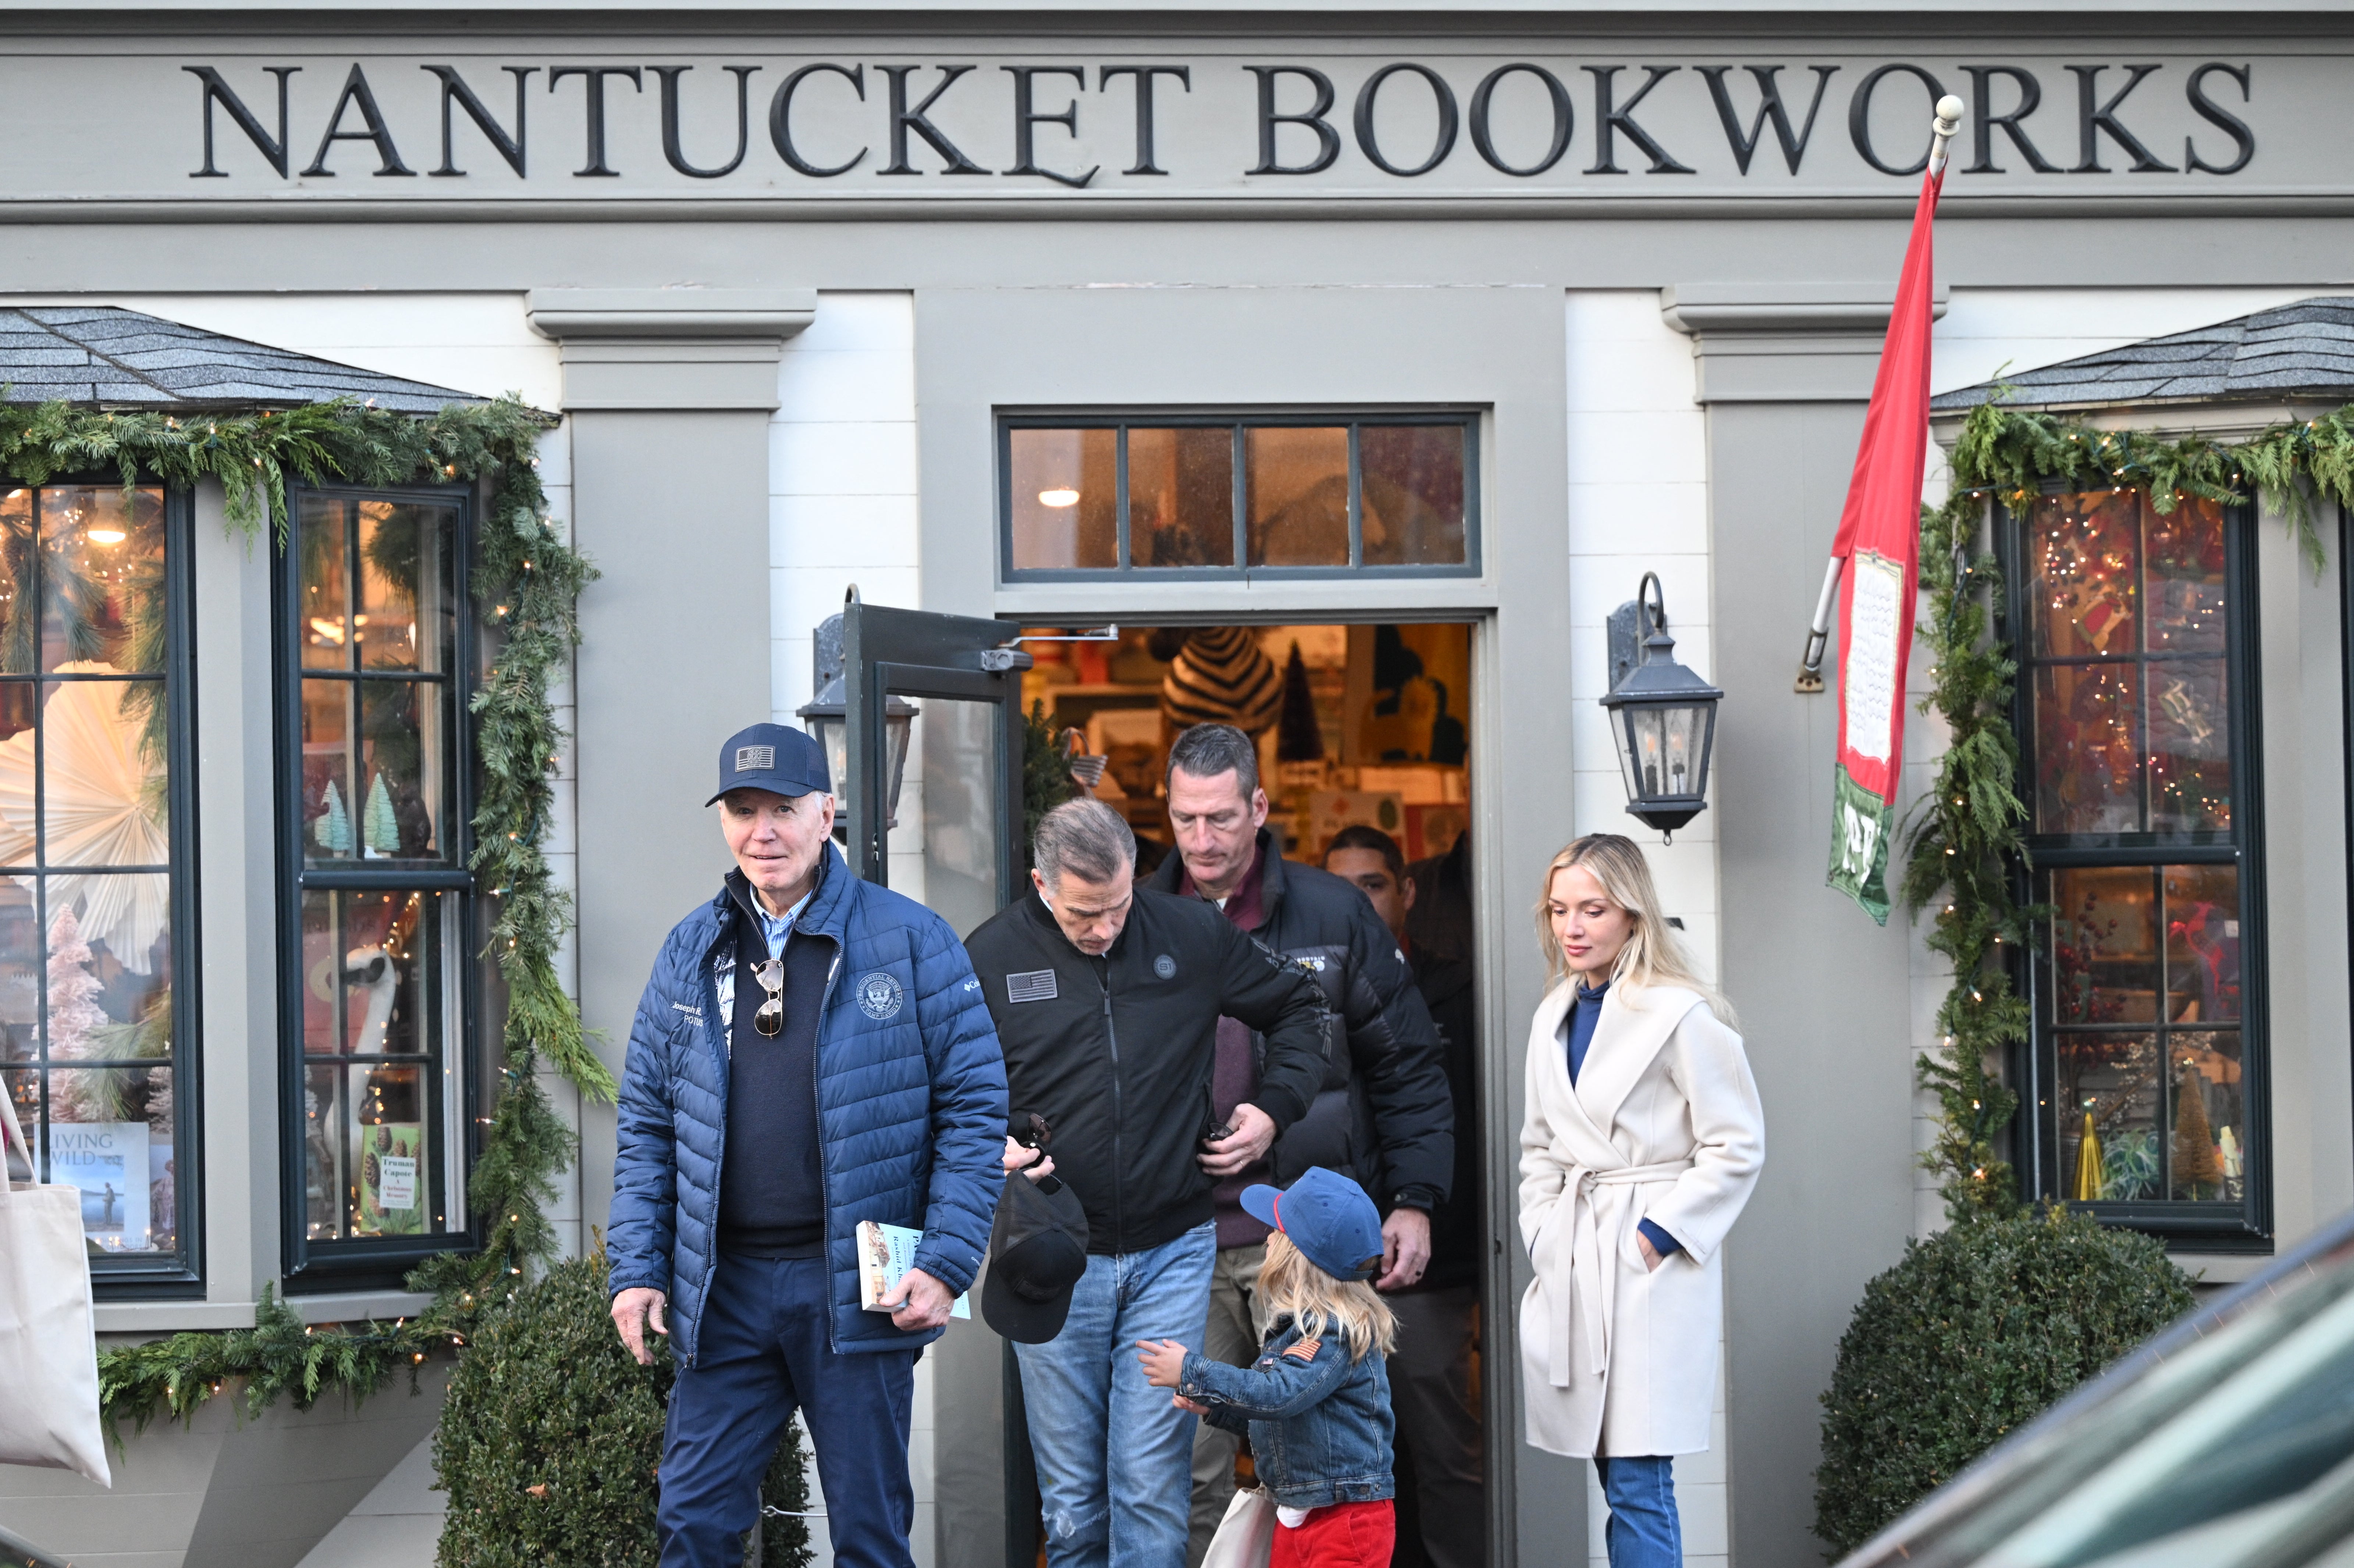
(1967,838)
(529,581)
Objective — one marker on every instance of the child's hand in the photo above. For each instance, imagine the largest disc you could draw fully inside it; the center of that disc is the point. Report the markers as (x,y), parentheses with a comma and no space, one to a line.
(1164,1361)
(1181,1403)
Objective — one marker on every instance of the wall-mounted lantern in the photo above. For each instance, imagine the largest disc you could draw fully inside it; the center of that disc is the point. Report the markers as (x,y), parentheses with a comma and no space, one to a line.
(825,717)
(1662,716)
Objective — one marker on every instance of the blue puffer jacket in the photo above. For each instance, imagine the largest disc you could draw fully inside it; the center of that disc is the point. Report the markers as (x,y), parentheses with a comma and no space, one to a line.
(911,1104)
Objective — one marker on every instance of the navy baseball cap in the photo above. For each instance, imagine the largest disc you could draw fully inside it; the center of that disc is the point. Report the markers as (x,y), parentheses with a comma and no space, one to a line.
(775,758)
(1328,1217)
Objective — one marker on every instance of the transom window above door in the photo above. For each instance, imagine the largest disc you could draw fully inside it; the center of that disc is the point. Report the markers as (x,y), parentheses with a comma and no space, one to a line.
(1290,495)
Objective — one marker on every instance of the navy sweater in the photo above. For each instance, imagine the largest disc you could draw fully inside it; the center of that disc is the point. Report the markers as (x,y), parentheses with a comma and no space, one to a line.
(771,1193)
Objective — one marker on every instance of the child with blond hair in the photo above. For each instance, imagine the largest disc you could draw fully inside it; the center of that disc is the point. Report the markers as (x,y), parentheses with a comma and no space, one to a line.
(1317,1402)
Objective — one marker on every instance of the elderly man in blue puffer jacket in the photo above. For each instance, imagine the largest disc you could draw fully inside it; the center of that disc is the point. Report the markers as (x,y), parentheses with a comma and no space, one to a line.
(812,1051)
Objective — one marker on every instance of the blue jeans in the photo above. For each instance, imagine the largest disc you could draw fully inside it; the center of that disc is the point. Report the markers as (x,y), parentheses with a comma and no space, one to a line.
(1645,1531)
(1115,1456)
(763,1353)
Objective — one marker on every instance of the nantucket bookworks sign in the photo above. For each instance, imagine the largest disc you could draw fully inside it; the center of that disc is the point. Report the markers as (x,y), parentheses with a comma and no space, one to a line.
(973,124)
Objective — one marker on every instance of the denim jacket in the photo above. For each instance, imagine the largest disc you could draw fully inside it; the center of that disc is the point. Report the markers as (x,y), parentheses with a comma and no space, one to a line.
(1320,1424)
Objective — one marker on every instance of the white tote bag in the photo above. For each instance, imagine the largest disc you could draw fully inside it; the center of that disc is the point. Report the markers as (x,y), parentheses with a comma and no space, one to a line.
(1246,1535)
(48,1343)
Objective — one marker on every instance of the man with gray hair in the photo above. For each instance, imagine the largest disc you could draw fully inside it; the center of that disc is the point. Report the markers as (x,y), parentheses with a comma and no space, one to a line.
(1106,999)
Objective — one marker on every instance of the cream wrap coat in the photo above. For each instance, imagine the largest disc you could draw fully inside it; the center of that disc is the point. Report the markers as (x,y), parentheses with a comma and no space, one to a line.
(1664,1124)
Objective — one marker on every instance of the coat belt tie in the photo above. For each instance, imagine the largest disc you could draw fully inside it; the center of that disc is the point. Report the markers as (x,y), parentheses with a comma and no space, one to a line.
(1593,1275)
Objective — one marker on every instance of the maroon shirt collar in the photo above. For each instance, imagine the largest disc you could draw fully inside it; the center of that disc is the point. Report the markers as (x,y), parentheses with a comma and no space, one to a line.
(1244,904)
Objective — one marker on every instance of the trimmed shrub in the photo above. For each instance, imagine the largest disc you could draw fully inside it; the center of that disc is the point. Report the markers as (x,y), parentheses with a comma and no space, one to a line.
(1979,1328)
(550,1442)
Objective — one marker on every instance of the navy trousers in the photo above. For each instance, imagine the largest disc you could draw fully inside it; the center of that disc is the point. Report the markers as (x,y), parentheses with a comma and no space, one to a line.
(763,1353)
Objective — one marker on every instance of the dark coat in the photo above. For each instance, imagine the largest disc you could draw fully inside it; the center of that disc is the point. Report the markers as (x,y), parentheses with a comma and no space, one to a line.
(911,1106)
(1115,1052)
(1450,992)
(1384,1119)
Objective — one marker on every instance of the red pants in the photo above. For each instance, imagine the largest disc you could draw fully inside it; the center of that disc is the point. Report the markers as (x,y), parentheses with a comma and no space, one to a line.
(1345,1535)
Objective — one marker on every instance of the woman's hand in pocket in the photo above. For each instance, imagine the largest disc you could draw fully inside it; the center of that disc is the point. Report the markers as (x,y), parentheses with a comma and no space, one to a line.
(1651,1258)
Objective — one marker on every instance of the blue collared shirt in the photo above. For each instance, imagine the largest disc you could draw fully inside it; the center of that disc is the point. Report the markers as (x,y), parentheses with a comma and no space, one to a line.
(776,928)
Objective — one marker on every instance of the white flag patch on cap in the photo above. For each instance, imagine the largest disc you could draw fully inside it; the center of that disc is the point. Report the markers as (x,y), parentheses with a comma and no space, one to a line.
(749,757)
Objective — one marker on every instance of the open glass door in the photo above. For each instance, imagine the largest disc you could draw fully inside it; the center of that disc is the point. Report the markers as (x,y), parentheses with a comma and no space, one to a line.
(921,718)
(923,732)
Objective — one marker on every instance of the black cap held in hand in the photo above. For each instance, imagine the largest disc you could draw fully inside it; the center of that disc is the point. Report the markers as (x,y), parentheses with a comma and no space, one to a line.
(1037,1251)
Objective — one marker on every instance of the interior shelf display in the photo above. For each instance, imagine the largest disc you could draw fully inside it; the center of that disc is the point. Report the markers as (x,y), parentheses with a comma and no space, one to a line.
(1355,724)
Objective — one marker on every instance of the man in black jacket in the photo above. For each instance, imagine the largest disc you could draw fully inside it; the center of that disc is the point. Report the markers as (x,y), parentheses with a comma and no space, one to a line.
(1435,1368)
(1384,1117)
(1106,999)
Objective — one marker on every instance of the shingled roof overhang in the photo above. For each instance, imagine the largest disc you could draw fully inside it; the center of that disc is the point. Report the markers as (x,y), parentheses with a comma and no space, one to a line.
(2294,353)
(102,357)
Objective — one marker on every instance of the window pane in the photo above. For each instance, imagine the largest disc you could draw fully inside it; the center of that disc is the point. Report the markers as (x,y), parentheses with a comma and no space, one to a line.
(323,614)
(2087,753)
(19,822)
(23,955)
(2202,944)
(101,577)
(2104,956)
(1299,482)
(376,1093)
(385,801)
(101,796)
(2211,1128)
(2111,1081)
(1180,497)
(2185,578)
(1411,493)
(2084,574)
(2189,747)
(1066,498)
(110,1134)
(407,618)
(17,610)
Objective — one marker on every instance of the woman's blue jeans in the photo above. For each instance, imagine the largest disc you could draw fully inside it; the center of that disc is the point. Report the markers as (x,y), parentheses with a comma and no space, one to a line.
(1644,1531)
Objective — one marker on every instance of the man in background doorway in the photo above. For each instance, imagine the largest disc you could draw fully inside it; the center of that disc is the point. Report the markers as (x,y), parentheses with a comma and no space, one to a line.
(1434,1370)
(1384,1117)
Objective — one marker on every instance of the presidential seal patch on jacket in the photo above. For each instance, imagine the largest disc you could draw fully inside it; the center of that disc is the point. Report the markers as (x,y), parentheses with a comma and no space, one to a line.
(879,994)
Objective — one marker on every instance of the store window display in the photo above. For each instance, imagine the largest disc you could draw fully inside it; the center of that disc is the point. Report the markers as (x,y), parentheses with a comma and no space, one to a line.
(2147,1055)
(380,979)
(89,637)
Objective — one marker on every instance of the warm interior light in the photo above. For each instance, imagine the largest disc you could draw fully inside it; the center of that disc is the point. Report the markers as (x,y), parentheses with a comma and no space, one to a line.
(327,630)
(1062,496)
(106,535)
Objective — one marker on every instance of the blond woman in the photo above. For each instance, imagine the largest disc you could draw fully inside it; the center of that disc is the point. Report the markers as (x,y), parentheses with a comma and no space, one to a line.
(1642,1139)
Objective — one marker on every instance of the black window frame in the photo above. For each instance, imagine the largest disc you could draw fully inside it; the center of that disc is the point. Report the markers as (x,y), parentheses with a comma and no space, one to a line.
(1239,421)
(2246,1226)
(377,1263)
(178,1274)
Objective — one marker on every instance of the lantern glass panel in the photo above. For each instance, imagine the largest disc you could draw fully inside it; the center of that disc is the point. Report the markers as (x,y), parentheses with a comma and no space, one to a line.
(1661,749)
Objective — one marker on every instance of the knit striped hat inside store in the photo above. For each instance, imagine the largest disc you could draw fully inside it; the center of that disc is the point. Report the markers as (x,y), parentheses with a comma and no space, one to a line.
(1222,676)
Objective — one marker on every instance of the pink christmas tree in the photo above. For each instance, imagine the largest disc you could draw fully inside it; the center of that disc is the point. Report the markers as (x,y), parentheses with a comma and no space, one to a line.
(74,1014)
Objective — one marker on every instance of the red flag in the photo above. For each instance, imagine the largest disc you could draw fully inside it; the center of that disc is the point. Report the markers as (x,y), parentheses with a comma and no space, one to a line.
(1880,541)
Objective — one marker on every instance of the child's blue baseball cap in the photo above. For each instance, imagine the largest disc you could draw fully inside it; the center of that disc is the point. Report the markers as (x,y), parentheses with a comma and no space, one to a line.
(1328,1217)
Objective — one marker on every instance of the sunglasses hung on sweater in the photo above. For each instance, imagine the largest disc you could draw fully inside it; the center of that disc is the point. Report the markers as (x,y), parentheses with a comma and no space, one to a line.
(770,1019)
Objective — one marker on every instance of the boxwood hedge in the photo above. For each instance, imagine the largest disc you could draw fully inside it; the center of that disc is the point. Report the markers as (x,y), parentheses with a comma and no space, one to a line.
(550,1443)
(1979,1328)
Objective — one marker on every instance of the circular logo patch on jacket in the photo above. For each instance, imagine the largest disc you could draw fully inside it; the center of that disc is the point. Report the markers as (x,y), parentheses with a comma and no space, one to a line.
(880,993)
(1165,967)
